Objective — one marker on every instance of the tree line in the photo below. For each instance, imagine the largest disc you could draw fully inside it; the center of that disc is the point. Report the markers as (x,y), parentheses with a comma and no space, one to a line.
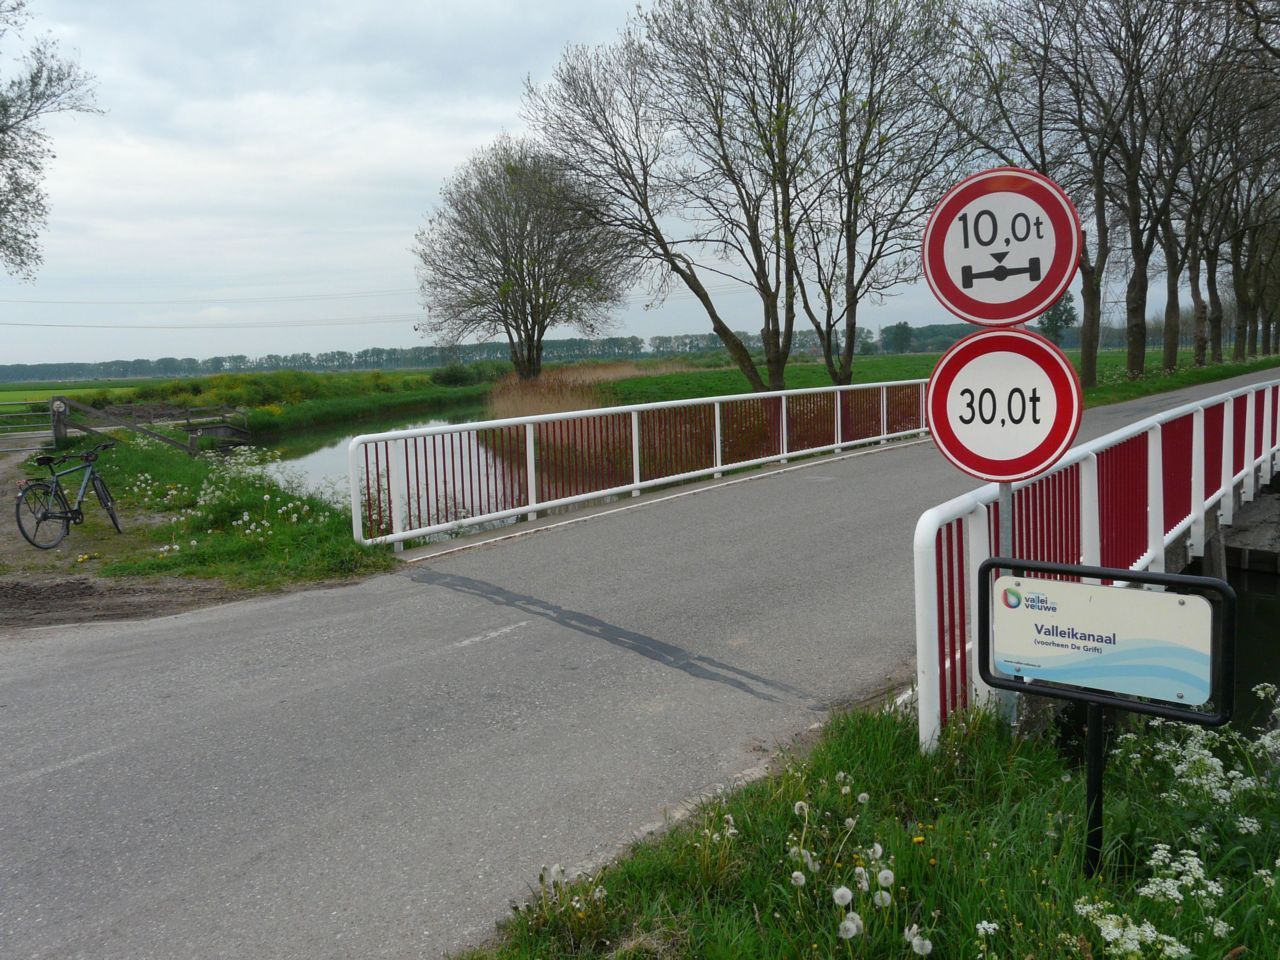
(795,148)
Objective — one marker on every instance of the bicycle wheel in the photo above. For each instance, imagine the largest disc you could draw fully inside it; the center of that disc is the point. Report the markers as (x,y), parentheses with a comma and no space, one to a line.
(104,498)
(36,501)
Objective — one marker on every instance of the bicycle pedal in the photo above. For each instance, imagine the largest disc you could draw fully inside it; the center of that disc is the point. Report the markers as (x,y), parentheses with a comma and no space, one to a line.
(77,516)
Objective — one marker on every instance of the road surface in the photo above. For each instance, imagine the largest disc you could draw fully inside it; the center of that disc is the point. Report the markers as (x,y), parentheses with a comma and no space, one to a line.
(376,770)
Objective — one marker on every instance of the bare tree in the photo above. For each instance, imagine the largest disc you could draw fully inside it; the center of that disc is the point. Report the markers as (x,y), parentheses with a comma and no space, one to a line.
(884,161)
(697,128)
(1047,103)
(516,248)
(45,84)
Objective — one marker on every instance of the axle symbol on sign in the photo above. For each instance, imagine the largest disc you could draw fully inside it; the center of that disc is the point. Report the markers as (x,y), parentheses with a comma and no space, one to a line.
(1000,271)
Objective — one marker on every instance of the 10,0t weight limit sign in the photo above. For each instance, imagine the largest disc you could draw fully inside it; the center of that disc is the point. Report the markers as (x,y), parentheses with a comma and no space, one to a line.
(1001,246)
(1004,404)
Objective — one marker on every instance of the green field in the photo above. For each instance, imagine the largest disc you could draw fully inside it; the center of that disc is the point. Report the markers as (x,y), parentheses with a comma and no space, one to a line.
(1114,385)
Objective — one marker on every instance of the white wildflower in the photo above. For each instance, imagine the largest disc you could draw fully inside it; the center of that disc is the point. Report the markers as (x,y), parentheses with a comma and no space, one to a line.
(843,896)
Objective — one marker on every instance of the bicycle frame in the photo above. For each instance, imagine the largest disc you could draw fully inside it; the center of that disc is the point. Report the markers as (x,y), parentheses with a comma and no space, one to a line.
(84,489)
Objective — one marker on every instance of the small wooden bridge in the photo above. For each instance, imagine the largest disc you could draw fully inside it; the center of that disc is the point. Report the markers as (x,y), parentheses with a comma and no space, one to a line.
(28,426)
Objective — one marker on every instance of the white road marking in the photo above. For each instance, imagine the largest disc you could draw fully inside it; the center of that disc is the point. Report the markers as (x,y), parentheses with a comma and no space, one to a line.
(60,765)
(490,635)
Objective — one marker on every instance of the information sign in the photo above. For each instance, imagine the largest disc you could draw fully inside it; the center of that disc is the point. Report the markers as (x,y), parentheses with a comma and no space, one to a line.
(1135,642)
(1004,404)
(1002,246)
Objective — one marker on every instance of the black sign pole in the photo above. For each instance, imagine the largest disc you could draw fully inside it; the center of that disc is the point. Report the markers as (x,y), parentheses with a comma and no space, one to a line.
(1095,758)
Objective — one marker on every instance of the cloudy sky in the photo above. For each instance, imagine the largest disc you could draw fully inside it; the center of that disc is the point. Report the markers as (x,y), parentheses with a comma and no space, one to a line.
(256,179)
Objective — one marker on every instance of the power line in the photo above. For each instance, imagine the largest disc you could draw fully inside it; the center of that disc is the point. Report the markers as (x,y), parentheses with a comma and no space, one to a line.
(293,298)
(329,322)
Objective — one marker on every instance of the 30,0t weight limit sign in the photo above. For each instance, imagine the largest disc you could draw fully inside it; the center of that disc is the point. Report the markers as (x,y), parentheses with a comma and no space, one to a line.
(1004,404)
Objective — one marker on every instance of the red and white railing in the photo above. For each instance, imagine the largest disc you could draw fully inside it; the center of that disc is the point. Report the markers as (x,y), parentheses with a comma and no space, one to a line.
(407,484)
(1117,501)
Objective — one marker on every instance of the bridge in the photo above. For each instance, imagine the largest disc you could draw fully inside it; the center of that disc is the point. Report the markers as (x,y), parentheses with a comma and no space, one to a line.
(377,769)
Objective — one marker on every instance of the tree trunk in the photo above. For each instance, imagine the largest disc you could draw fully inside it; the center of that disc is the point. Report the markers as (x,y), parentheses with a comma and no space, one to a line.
(1215,304)
(1246,323)
(1201,311)
(1090,320)
(1172,308)
(1135,310)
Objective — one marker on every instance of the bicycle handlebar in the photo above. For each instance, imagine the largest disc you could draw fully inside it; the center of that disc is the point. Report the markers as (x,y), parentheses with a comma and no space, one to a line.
(88,456)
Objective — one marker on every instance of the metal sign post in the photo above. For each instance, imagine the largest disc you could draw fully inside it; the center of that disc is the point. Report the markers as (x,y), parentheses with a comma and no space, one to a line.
(1167,652)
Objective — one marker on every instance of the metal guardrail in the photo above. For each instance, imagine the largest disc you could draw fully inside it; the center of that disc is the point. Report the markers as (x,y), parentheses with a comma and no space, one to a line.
(1118,501)
(25,426)
(408,484)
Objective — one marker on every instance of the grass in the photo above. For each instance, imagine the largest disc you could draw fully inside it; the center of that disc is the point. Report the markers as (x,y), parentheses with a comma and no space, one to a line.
(1114,386)
(232,519)
(984,834)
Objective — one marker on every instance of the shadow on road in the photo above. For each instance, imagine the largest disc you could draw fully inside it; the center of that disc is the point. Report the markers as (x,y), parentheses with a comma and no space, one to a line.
(659,651)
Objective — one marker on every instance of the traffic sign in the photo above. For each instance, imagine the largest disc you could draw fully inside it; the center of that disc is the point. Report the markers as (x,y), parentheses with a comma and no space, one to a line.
(1002,246)
(1004,404)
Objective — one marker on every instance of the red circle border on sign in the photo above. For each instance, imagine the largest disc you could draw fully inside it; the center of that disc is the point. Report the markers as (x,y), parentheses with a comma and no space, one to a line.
(1066,388)
(1066,257)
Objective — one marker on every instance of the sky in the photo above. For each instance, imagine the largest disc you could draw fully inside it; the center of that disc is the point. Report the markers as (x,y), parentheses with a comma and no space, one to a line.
(259,170)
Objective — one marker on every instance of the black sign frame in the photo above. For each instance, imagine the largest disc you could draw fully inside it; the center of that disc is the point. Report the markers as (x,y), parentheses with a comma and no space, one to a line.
(1222,600)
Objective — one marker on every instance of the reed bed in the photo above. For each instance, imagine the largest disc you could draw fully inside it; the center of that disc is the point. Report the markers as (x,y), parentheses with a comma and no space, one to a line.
(559,389)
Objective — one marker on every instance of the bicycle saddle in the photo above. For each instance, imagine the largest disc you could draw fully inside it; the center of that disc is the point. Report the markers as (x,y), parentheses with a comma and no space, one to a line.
(43,461)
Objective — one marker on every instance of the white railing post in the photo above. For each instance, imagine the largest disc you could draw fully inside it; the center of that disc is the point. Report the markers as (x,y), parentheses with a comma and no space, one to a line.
(635,451)
(928,701)
(838,433)
(357,499)
(1227,503)
(978,530)
(530,466)
(397,477)
(884,413)
(719,458)
(1264,451)
(1090,522)
(1250,475)
(784,427)
(1195,538)
(1155,499)
(922,396)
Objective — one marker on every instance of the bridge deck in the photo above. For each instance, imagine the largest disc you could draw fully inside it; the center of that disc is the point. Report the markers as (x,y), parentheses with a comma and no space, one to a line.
(376,769)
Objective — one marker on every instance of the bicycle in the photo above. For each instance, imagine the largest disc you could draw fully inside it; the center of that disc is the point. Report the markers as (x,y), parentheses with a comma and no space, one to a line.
(43,514)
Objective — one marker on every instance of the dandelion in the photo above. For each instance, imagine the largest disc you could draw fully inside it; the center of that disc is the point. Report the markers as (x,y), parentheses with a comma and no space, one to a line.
(850,823)
(882,898)
(266,496)
(844,791)
(801,808)
(843,896)
(921,946)
(876,851)
(885,878)
(797,879)
(864,797)
(850,926)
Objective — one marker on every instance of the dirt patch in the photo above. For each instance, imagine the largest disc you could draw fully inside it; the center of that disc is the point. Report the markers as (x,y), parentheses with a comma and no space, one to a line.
(35,601)
(43,587)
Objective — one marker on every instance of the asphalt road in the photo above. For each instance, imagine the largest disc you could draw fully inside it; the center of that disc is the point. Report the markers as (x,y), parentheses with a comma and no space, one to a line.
(377,770)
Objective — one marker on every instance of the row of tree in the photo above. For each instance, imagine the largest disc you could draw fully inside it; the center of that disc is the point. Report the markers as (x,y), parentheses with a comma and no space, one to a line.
(796,147)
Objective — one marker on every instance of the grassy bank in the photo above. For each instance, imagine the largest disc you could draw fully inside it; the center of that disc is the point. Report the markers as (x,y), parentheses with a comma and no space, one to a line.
(1114,386)
(227,518)
(273,419)
(870,849)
